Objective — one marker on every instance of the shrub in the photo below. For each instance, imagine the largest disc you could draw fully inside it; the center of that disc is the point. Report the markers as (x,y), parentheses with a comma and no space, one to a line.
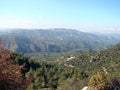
(99,81)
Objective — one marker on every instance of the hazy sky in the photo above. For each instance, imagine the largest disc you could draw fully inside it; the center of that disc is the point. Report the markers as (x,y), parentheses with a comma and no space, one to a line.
(85,15)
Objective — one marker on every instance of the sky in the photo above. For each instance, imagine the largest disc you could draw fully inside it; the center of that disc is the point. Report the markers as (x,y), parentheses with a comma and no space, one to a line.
(84,15)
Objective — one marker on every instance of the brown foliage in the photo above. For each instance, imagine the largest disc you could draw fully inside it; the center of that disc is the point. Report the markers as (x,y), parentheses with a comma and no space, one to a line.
(10,74)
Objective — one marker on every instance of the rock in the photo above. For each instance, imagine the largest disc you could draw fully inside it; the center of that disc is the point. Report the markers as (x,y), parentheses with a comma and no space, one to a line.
(85,88)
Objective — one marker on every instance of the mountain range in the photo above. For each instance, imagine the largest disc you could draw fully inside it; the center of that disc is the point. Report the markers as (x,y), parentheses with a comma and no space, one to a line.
(54,40)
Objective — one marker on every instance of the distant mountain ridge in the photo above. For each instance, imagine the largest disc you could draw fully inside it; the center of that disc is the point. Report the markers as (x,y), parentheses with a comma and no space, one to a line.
(54,40)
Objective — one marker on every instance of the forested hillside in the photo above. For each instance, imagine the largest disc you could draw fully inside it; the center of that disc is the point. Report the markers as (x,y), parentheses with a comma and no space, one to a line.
(54,40)
(73,71)
(106,60)
(82,69)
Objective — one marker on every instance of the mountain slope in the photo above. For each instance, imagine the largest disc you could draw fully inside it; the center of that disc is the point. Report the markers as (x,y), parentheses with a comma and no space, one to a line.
(54,40)
(74,70)
(93,61)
